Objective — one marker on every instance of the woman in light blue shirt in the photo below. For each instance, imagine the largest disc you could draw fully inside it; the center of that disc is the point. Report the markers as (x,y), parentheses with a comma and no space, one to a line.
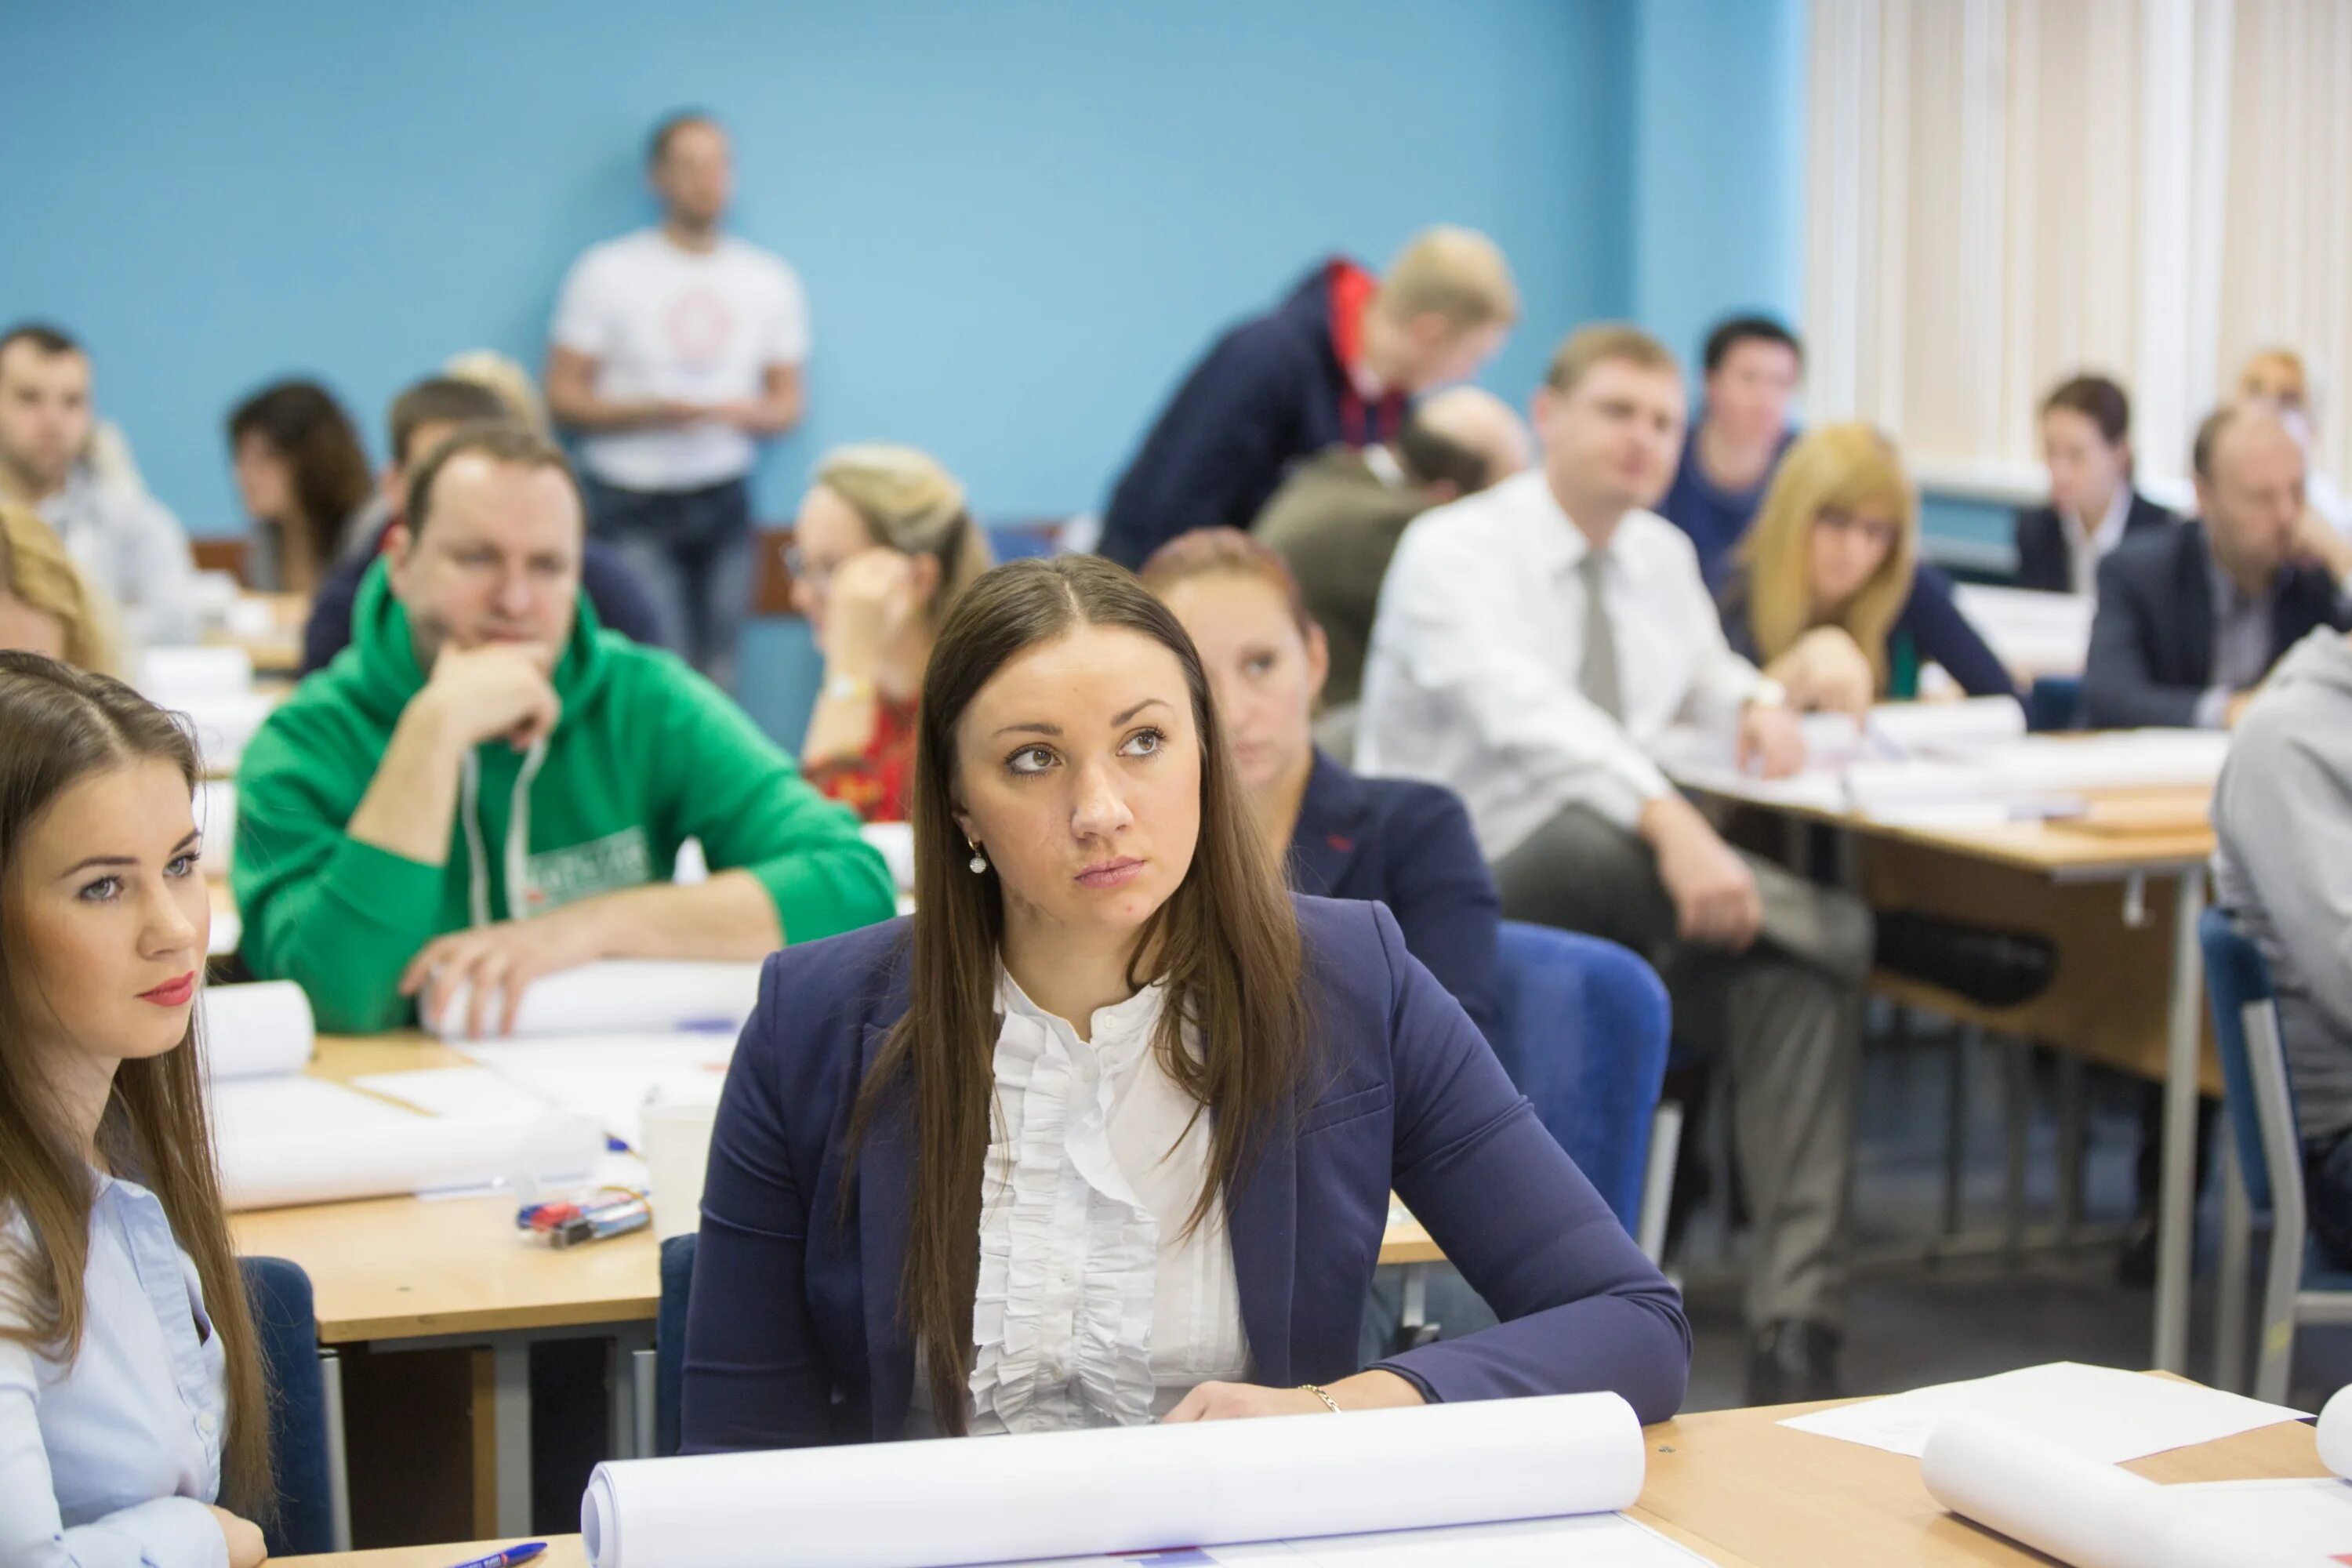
(131,1396)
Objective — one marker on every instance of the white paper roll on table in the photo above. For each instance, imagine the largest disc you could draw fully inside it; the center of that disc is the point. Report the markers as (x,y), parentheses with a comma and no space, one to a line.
(413,1154)
(256,1030)
(2041,1493)
(947,1501)
(2336,1433)
(622,996)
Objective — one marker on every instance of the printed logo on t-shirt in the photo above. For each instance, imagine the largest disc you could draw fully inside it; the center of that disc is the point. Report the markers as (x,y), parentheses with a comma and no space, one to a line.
(700,326)
(577,871)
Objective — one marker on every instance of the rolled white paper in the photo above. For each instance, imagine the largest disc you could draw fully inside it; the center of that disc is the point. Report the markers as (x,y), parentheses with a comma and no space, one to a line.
(414,1154)
(2336,1433)
(2043,1494)
(622,996)
(948,1501)
(256,1030)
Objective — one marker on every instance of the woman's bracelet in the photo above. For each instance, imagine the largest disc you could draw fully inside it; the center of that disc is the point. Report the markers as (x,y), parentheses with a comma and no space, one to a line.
(1331,1404)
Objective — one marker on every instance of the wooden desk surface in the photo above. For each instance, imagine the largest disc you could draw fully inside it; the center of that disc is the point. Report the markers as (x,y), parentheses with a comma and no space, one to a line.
(405,1268)
(1785,1498)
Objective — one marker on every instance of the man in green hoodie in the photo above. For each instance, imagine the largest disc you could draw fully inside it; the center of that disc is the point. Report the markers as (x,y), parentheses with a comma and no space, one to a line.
(485,788)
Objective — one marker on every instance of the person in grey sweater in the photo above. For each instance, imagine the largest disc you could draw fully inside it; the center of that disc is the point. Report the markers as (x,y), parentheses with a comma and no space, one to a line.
(2283,867)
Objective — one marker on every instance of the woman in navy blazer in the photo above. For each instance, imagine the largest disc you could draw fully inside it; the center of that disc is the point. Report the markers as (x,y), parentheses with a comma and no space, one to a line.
(1829,596)
(1402,842)
(2086,445)
(850,1277)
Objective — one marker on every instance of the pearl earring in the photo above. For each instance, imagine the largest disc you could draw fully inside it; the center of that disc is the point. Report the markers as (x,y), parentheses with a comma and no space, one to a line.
(979,859)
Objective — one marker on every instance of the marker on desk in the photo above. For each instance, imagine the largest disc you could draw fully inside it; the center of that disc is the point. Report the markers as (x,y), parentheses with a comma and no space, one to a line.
(509,1557)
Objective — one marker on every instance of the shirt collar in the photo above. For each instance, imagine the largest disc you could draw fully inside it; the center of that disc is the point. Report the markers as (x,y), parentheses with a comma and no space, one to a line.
(1117,1023)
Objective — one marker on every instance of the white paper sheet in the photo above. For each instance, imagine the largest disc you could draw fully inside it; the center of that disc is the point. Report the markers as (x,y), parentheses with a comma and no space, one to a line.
(1581,1540)
(607,1078)
(216,811)
(174,677)
(225,723)
(2297,1522)
(624,995)
(1117,1490)
(2041,634)
(896,840)
(256,1030)
(2099,1412)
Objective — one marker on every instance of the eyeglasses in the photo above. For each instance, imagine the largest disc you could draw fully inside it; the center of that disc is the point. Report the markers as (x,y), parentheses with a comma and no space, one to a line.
(815,573)
(1881,532)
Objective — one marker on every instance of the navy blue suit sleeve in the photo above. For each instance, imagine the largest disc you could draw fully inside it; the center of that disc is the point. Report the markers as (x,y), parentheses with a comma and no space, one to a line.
(1944,635)
(329,630)
(621,601)
(1444,901)
(2120,691)
(1582,1310)
(754,1374)
(1214,456)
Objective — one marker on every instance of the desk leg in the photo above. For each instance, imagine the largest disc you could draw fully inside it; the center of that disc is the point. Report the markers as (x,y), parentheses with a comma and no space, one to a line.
(510,1426)
(2175,1227)
(339,1475)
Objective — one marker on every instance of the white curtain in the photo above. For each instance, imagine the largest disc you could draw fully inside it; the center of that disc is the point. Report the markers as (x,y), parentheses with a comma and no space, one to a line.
(2002,192)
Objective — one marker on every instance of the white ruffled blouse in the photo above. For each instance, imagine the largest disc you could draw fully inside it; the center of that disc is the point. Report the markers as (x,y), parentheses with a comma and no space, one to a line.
(1094,1308)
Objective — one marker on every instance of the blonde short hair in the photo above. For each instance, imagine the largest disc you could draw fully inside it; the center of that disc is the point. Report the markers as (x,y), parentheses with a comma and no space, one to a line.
(35,570)
(911,504)
(1601,342)
(1455,273)
(508,382)
(1834,468)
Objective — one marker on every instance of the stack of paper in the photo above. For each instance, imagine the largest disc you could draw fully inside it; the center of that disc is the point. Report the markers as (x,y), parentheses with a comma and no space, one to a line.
(607,1079)
(2034,634)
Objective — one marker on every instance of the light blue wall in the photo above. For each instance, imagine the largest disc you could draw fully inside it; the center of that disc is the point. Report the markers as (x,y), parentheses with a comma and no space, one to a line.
(1016,220)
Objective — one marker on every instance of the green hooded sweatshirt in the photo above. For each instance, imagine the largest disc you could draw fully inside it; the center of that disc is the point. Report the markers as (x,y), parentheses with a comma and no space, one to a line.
(645,755)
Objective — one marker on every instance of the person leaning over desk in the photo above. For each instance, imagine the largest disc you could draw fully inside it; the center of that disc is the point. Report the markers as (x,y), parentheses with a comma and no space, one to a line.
(960,1181)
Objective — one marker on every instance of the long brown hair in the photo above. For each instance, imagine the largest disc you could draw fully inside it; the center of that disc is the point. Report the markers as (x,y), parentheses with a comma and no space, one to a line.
(58,726)
(1225,945)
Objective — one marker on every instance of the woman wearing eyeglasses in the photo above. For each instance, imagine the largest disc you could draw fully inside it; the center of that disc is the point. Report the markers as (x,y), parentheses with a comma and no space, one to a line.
(882,546)
(1830,595)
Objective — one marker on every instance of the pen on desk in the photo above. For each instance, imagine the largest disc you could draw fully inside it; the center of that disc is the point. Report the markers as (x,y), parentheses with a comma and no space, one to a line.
(509,1557)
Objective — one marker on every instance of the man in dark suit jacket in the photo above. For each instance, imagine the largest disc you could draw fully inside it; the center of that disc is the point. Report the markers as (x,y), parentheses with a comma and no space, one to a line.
(2192,619)
(2087,445)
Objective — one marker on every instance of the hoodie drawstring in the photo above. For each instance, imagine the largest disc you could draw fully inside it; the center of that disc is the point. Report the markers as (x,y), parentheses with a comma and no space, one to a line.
(517,844)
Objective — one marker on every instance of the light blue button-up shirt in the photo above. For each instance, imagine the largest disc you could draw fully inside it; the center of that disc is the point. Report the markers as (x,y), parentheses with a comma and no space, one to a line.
(109,1460)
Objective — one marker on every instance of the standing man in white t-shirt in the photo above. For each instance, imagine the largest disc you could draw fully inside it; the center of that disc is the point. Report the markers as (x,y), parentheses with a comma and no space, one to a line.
(675,350)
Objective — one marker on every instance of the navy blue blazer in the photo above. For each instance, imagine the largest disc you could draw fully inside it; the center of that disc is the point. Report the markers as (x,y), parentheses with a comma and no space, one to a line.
(1931,619)
(794,1334)
(1409,846)
(1268,393)
(2152,640)
(2047,562)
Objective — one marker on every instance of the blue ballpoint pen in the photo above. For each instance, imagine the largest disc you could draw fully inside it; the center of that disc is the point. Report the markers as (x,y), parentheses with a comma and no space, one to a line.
(509,1557)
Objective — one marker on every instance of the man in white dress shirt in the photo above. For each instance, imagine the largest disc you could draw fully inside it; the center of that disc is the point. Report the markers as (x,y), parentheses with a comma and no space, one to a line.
(676,350)
(1490,674)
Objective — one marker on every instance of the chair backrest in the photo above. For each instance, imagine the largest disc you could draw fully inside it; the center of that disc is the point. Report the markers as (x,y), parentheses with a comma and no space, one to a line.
(2055,702)
(669,1344)
(287,1324)
(1583,1033)
(2256,1095)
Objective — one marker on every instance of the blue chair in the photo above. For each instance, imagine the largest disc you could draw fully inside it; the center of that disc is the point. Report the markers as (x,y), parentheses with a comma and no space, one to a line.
(2300,1284)
(1583,1033)
(2055,702)
(302,1450)
(669,1344)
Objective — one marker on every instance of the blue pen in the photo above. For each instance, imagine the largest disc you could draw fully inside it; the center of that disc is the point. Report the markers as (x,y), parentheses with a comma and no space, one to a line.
(509,1557)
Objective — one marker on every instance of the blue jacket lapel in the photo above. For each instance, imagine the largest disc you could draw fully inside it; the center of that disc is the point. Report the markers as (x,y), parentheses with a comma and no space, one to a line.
(885,1189)
(1262,1219)
(1329,832)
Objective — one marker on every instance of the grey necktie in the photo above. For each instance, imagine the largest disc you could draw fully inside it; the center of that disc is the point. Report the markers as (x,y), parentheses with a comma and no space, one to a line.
(1597,676)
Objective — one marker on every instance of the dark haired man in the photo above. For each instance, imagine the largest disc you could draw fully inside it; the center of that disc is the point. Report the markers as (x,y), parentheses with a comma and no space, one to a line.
(490,788)
(125,542)
(675,350)
(1752,364)
(425,415)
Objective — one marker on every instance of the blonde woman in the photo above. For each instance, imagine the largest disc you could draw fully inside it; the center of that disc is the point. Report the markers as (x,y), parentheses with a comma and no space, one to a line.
(881,548)
(46,606)
(1830,595)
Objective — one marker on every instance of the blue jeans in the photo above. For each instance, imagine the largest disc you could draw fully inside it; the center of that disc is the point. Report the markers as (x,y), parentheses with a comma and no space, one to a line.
(2327,1194)
(691,551)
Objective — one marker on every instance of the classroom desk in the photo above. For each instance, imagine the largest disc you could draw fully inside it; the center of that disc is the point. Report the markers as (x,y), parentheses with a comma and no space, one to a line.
(1743,1491)
(2119,892)
(408,1273)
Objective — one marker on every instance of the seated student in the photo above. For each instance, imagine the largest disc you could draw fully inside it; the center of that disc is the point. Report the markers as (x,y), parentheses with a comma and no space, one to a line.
(1337,518)
(135,1417)
(1533,642)
(1752,366)
(1333,364)
(2282,865)
(2190,619)
(1201,1093)
(882,546)
(1337,835)
(2093,506)
(1829,593)
(2278,376)
(490,788)
(303,477)
(44,606)
(126,543)
(422,416)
